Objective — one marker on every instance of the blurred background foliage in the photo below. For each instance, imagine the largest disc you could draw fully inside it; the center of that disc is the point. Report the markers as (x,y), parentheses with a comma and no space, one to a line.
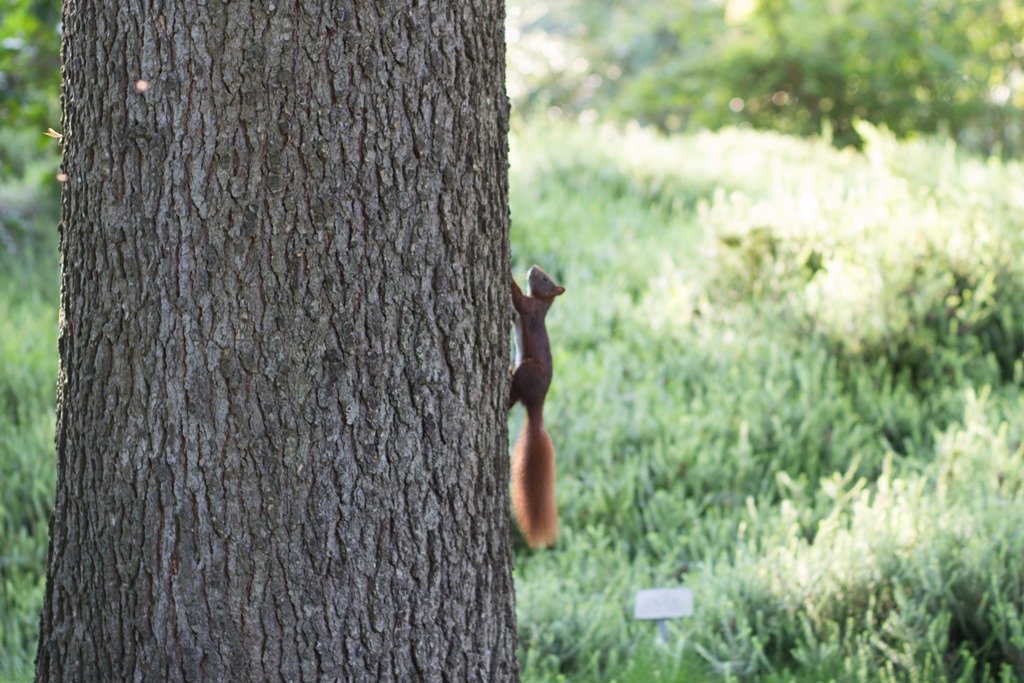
(29,104)
(805,67)
(29,63)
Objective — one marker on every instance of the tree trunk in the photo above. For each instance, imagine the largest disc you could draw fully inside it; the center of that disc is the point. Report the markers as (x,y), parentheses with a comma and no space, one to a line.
(281,441)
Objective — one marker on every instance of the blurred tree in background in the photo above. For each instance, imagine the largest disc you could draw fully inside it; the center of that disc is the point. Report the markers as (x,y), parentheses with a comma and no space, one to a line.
(798,66)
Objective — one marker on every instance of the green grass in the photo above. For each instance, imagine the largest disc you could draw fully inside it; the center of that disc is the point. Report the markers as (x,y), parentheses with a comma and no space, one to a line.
(27,371)
(28,368)
(785,376)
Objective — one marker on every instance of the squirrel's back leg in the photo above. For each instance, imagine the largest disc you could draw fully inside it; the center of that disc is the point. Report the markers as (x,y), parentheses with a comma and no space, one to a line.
(529,384)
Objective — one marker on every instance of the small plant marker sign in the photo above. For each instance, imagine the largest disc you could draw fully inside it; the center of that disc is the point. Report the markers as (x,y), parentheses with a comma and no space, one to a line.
(662,604)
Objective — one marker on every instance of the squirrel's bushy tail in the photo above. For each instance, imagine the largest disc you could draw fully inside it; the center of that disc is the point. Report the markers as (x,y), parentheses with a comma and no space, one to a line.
(533,483)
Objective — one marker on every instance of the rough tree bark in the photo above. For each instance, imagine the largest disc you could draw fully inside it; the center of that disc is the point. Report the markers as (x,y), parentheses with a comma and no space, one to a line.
(281,405)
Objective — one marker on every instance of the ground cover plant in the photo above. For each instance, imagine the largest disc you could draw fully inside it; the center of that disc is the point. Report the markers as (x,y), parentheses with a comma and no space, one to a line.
(28,371)
(786,376)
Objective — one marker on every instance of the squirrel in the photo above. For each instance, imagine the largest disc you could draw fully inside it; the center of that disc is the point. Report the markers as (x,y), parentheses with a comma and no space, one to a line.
(533,459)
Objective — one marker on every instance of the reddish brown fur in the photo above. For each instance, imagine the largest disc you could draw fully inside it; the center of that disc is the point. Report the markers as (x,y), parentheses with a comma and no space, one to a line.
(533,484)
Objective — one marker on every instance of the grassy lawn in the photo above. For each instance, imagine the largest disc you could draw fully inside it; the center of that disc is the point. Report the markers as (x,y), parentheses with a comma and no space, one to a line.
(787,377)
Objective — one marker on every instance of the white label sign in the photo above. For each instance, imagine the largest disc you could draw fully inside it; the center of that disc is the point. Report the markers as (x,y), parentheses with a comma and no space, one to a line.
(663,603)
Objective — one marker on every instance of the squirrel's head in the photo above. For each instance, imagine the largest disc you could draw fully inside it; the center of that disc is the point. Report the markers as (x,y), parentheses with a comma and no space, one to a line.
(540,284)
